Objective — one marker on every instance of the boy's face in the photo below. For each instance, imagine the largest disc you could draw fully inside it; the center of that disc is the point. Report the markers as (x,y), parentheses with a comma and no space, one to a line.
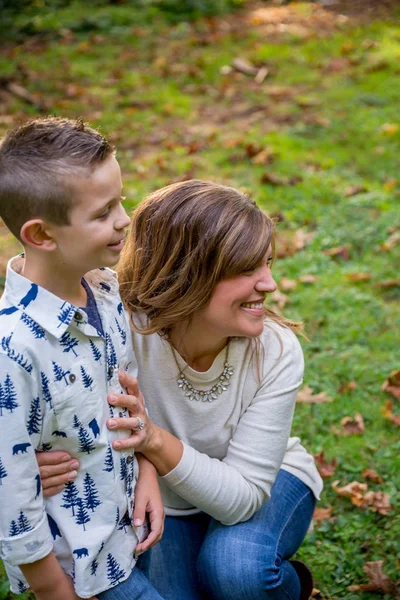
(94,238)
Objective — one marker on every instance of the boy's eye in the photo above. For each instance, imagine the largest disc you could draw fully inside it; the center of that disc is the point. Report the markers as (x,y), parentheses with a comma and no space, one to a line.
(104,215)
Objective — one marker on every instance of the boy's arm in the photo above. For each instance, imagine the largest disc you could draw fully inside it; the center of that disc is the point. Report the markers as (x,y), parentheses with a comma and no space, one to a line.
(148,500)
(48,581)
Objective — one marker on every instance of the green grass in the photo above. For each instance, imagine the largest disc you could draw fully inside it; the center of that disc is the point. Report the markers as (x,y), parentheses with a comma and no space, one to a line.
(158,91)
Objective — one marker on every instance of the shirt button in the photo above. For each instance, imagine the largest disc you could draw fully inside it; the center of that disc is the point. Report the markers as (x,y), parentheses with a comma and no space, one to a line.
(129,459)
(72,378)
(78,316)
(111,371)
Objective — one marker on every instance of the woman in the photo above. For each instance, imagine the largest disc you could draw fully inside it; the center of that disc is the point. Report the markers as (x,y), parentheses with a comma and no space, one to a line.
(219,373)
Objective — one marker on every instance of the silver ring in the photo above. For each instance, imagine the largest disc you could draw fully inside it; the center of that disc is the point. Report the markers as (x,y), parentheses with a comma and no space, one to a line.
(140,426)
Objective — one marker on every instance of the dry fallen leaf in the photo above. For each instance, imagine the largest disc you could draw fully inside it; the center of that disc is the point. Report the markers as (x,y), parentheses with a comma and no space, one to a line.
(308,279)
(372,475)
(392,384)
(279,299)
(387,412)
(306,396)
(391,242)
(377,580)
(287,284)
(361,497)
(338,252)
(389,128)
(325,469)
(322,514)
(264,157)
(350,426)
(347,387)
(244,66)
(358,276)
(390,184)
(288,243)
(389,283)
(353,190)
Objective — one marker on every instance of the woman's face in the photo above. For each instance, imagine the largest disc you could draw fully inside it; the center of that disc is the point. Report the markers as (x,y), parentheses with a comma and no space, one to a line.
(236,306)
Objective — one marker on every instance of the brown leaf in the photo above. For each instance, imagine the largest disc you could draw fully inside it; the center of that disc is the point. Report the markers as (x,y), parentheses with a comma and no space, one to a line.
(354,277)
(389,128)
(350,426)
(391,242)
(322,514)
(377,580)
(377,502)
(306,396)
(342,252)
(261,75)
(264,157)
(288,243)
(372,475)
(325,469)
(309,279)
(353,490)
(387,412)
(390,185)
(287,284)
(279,299)
(244,66)
(389,283)
(392,384)
(347,387)
(273,179)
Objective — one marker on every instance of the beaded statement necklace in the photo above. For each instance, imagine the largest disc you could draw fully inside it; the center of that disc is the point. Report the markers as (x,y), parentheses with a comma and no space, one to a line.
(212,393)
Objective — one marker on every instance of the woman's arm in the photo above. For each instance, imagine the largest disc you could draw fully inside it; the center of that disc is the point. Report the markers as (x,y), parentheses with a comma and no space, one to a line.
(230,490)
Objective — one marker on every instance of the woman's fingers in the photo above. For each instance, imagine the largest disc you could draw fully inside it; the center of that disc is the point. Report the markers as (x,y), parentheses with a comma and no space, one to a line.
(129,383)
(59,474)
(53,491)
(55,457)
(132,403)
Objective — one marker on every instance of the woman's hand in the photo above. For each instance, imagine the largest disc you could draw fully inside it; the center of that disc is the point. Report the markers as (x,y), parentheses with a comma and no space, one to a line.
(143,440)
(148,502)
(56,468)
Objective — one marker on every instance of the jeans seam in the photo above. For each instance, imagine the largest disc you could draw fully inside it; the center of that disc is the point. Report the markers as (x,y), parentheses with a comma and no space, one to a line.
(287,521)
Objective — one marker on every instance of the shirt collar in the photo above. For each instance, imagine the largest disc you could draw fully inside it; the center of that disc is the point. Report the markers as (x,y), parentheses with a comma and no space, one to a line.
(51,312)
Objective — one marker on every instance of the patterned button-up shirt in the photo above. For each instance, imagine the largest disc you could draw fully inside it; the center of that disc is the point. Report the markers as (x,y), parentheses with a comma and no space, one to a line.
(55,372)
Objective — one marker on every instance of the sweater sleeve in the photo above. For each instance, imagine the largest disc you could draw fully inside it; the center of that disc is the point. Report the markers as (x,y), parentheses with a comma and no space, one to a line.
(233,489)
(24,530)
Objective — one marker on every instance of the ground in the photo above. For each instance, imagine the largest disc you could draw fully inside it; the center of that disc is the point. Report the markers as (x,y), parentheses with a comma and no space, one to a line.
(297,104)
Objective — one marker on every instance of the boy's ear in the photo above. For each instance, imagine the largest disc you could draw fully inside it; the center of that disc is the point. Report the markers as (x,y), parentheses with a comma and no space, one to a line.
(37,234)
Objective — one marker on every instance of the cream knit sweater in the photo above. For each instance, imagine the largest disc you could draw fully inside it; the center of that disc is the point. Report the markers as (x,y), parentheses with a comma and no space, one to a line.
(235,445)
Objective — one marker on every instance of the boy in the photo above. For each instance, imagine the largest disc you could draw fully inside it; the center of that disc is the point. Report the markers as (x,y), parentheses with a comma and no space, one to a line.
(63,337)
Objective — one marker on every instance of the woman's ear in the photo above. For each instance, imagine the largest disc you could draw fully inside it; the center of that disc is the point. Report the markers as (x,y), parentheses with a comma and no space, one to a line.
(37,234)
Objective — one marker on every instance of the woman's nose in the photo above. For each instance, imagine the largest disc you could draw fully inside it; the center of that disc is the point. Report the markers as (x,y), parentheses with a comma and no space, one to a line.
(266,283)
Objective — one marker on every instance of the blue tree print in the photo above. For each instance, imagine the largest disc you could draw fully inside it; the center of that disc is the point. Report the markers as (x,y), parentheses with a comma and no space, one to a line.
(124,522)
(22,587)
(15,356)
(70,496)
(3,472)
(108,461)
(59,372)
(14,529)
(86,443)
(123,469)
(23,523)
(2,400)
(111,356)
(37,331)
(95,351)
(76,422)
(90,492)
(120,308)
(35,417)
(66,314)
(68,342)
(114,570)
(121,331)
(117,516)
(86,378)
(10,395)
(82,516)
(94,567)
(54,529)
(45,388)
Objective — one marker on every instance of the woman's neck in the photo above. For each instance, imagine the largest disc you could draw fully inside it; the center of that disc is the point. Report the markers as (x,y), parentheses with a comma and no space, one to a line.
(198,349)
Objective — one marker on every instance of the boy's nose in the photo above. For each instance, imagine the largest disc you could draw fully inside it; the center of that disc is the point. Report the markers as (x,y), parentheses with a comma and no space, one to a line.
(123,219)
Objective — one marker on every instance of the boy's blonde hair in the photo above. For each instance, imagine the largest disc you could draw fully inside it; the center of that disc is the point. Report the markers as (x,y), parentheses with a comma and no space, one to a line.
(183,240)
(39,163)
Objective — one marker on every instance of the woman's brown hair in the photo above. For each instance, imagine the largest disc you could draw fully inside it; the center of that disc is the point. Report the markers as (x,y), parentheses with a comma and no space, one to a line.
(183,240)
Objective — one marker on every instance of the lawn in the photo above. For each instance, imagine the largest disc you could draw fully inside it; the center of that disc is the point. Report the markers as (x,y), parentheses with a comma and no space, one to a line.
(297,104)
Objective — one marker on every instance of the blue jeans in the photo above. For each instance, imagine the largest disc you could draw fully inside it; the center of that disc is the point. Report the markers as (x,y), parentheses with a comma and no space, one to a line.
(200,559)
(136,587)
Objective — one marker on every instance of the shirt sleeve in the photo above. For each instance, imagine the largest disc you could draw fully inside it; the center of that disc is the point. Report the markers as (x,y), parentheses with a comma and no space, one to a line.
(233,489)
(24,531)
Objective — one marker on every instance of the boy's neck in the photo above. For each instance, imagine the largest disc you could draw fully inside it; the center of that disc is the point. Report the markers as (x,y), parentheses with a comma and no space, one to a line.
(58,281)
